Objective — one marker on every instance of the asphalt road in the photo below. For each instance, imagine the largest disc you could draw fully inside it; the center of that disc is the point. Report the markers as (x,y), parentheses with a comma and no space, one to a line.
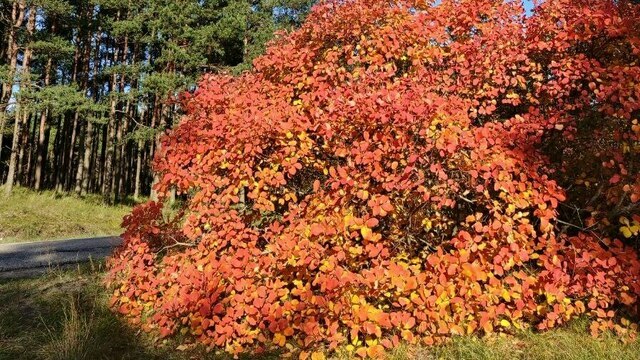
(27,259)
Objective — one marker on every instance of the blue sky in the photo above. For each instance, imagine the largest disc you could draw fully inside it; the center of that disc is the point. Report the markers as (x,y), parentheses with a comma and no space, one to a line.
(528,5)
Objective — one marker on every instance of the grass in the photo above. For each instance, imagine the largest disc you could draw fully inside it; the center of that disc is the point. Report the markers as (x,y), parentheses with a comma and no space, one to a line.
(64,315)
(28,216)
(569,343)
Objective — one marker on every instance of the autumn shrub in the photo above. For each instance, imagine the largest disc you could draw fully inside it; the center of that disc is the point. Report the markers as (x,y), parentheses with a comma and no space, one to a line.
(401,172)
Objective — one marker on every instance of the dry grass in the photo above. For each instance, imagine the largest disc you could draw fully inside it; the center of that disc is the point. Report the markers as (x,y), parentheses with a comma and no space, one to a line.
(72,339)
(27,216)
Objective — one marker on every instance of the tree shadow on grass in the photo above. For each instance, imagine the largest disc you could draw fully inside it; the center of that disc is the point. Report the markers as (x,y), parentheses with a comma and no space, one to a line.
(64,315)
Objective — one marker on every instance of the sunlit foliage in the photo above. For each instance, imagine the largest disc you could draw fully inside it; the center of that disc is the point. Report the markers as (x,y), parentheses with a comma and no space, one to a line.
(401,172)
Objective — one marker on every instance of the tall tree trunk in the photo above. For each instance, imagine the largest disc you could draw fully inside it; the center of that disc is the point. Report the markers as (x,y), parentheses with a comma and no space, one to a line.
(164,115)
(17,18)
(61,150)
(83,175)
(139,150)
(24,83)
(108,184)
(94,163)
(85,147)
(69,173)
(103,157)
(85,172)
(23,149)
(57,149)
(116,186)
(28,178)
(42,133)
(155,145)
(121,153)
(13,160)
(138,180)
(69,178)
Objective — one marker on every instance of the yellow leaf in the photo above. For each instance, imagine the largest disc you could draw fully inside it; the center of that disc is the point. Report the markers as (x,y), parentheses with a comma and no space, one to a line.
(355,250)
(505,323)
(279,339)
(366,232)
(348,220)
(626,232)
(371,342)
(506,295)
(317,356)
(427,224)
(550,298)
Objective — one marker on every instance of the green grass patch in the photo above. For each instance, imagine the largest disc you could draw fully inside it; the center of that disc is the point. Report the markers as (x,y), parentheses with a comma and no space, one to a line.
(569,343)
(30,216)
(64,315)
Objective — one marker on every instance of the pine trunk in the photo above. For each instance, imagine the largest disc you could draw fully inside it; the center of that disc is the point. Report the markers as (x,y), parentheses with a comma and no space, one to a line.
(42,133)
(108,185)
(17,129)
(17,18)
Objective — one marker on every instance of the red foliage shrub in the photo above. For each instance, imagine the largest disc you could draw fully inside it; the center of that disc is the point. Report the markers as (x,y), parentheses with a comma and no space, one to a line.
(395,171)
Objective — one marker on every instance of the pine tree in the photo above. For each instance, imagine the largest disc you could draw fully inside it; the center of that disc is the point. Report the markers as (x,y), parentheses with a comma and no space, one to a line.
(93,84)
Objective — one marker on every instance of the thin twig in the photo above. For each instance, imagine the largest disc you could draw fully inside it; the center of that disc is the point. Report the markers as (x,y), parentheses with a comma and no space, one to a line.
(467,200)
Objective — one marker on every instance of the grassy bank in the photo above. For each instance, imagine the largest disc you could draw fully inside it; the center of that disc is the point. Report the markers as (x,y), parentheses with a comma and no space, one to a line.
(27,216)
(64,315)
